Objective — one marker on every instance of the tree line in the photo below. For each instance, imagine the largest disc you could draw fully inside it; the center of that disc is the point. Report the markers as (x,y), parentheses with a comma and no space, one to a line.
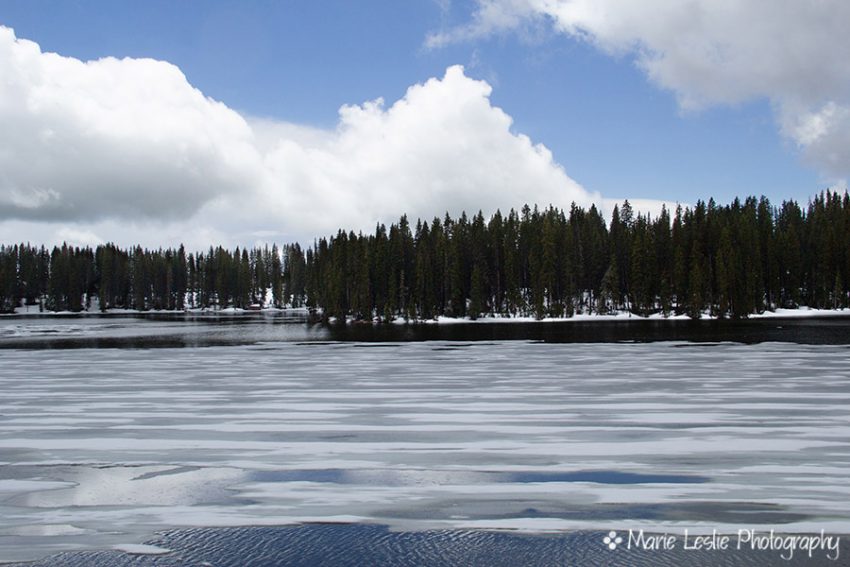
(73,278)
(727,261)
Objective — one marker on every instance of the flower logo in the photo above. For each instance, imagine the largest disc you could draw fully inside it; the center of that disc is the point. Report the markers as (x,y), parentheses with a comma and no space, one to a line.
(612,540)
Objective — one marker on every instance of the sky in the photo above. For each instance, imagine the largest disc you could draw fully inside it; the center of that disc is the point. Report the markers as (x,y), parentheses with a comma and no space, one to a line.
(258,121)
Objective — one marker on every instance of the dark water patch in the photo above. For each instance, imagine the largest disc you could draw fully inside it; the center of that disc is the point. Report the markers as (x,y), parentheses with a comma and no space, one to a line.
(734,513)
(706,344)
(461,346)
(168,472)
(162,330)
(344,545)
(160,341)
(337,476)
(603,477)
(823,330)
(385,477)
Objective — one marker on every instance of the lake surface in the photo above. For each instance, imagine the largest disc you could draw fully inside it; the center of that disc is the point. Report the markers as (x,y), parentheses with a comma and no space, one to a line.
(420,439)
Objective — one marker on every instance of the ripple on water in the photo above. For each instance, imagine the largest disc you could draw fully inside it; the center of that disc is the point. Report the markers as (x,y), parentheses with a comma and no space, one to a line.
(357,545)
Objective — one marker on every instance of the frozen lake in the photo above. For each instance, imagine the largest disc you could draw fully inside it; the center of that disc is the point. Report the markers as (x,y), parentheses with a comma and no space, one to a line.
(267,424)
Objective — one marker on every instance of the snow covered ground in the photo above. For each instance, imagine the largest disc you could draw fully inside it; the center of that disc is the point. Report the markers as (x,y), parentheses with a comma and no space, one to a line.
(101,448)
(627,316)
(803,311)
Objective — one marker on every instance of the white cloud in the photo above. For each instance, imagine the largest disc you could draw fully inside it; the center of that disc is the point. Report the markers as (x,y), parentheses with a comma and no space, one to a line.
(111,137)
(792,52)
(77,237)
(491,16)
(823,135)
(443,146)
(127,150)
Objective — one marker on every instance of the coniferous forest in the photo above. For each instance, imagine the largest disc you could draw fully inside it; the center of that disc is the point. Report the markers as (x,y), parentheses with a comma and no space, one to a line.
(728,261)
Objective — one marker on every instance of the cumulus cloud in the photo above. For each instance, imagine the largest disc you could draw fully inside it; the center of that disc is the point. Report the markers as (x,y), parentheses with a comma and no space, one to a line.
(708,52)
(130,137)
(128,150)
(443,146)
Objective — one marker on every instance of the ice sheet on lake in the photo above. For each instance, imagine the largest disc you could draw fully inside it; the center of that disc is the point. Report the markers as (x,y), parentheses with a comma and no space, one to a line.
(104,447)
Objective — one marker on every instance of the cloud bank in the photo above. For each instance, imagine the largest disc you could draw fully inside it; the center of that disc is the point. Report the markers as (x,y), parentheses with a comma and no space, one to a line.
(708,52)
(111,138)
(127,150)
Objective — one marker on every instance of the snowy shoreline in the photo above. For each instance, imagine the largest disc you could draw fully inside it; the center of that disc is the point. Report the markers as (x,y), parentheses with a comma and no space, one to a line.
(620,316)
(625,316)
(33,310)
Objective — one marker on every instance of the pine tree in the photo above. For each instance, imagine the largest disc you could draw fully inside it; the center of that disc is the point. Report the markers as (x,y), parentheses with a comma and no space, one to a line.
(696,282)
(8,280)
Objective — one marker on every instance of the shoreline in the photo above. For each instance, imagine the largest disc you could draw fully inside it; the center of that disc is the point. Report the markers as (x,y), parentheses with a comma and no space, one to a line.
(625,316)
(802,312)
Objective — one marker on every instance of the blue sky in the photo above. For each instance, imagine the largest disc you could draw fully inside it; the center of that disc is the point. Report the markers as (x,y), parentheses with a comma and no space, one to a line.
(614,127)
